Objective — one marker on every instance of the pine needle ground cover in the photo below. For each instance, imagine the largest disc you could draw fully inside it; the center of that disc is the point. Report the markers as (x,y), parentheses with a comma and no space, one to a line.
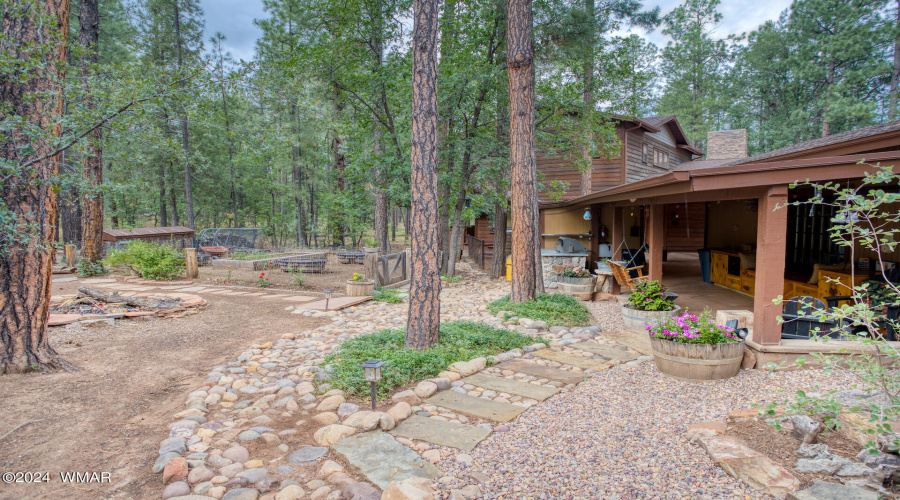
(555,309)
(460,341)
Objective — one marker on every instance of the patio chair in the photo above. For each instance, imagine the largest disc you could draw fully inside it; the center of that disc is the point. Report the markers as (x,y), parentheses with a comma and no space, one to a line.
(623,278)
(801,321)
(888,320)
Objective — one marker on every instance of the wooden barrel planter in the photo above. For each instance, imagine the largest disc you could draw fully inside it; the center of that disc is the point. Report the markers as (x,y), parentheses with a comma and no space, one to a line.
(580,288)
(635,319)
(697,362)
(360,288)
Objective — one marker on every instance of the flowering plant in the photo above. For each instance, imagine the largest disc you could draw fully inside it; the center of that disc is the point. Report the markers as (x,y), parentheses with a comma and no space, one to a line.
(262,281)
(576,272)
(228,276)
(691,329)
(357,277)
(650,296)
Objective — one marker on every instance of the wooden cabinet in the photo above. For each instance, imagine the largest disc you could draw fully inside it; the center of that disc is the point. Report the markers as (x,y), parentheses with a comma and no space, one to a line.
(719,267)
(799,289)
(828,287)
(748,281)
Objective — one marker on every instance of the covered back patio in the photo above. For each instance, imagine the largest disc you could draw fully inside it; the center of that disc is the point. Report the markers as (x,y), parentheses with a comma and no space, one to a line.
(761,248)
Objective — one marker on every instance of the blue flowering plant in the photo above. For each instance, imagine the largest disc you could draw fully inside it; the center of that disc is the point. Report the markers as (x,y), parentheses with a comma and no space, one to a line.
(692,329)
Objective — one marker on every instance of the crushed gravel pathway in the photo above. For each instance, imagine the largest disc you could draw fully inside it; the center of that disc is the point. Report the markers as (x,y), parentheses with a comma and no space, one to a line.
(620,435)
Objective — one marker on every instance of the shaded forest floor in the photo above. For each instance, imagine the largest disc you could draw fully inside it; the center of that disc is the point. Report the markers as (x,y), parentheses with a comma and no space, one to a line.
(133,377)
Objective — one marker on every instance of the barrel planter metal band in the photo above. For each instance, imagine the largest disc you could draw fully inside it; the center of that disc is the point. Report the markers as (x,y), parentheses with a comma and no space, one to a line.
(636,319)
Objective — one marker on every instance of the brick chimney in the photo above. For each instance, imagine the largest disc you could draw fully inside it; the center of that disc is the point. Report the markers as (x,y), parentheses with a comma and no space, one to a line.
(726,144)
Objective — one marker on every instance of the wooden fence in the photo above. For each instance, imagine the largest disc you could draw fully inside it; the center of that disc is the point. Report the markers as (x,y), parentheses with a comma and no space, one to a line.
(388,270)
(476,250)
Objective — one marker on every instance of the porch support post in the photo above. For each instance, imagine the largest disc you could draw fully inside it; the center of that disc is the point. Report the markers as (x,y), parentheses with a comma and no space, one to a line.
(771,237)
(616,239)
(656,240)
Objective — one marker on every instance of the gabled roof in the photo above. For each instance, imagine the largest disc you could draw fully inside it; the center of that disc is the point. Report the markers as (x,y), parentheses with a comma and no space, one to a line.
(671,121)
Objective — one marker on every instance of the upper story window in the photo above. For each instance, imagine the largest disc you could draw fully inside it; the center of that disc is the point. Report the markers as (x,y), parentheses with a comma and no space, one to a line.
(661,159)
(645,150)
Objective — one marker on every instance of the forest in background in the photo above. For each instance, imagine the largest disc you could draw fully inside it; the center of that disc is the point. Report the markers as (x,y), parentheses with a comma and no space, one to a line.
(311,139)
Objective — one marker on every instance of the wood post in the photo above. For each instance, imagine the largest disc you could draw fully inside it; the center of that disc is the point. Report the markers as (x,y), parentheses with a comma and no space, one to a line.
(70,256)
(616,239)
(192,270)
(369,267)
(771,236)
(656,240)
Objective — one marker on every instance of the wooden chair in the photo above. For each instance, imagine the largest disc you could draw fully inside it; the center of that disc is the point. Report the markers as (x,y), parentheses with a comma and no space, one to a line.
(801,320)
(623,277)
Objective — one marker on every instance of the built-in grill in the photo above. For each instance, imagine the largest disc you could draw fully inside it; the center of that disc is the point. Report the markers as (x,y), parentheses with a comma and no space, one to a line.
(569,245)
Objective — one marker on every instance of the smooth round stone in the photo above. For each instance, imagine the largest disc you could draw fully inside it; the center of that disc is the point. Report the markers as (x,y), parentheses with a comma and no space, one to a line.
(176,489)
(284,470)
(248,436)
(242,405)
(253,475)
(307,454)
(242,494)
(249,389)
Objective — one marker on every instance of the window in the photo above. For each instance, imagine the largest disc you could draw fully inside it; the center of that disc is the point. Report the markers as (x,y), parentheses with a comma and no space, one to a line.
(661,159)
(644,151)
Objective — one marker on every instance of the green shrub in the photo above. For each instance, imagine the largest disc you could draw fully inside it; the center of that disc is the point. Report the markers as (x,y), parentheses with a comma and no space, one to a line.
(650,296)
(86,268)
(149,260)
(451,279)
(555,309)
(460,341)
(387,295)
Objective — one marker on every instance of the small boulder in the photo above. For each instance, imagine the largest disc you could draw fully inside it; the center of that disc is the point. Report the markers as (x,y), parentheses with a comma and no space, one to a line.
(464,368)
(361,491)
(290,492)
(330,434)
(386,422)
(347,409)
(406,396)
(330,403)
(400,411)
(175,470)
(327,418)
(425,389)
(416,488)
(330,467)
(806,430)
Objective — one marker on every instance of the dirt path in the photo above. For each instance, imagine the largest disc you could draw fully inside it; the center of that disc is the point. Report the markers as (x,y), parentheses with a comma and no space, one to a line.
(111,415)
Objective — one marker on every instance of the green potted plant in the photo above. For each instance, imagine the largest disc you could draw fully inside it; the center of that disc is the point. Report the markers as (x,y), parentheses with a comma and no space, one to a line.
(359,286)
(371,246)
(693,347)
(649,303)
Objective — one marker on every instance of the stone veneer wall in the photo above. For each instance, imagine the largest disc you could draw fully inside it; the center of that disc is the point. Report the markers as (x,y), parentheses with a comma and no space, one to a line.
(552,265)
(726,144)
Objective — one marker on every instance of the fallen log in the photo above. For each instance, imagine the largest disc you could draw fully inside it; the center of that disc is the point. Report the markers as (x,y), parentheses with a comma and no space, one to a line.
(115,298)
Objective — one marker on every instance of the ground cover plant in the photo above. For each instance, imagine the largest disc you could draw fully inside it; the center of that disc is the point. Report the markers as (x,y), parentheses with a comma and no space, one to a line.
(555,309)
(388,295)
(148,260)
(460,341)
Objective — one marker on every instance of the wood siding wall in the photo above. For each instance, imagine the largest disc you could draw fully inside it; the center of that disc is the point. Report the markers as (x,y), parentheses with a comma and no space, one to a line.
(607,172)
(686,232)
(636,169)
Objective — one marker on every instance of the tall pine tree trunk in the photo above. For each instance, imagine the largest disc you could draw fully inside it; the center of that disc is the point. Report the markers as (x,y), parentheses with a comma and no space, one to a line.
(895,74)
(29,195)
(185,141)
(161,180)
(381,205)
(423,323)
(519,61)
(498,262)
(588,100)
(92,165)
(70,216)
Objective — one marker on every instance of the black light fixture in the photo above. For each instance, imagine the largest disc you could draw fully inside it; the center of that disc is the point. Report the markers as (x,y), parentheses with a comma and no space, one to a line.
(372,374)
(328,294)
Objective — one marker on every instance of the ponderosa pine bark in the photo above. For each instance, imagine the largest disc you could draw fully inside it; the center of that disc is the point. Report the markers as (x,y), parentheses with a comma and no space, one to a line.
(588,99)
(30,195)
(523,164)
(423,323)
(92,164)
(185,141)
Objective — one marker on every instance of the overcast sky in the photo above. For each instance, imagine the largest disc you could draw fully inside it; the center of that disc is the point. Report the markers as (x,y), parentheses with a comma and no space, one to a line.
(235,18)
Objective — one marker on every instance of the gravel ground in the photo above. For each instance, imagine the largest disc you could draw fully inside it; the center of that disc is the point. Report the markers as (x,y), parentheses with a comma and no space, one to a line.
(608,314)
(620,435)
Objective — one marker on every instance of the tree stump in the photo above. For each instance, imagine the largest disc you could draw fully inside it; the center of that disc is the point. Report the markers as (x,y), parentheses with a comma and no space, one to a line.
(190,263)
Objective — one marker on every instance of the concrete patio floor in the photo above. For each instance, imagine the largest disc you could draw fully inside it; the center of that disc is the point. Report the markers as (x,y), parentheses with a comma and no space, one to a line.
(681,274)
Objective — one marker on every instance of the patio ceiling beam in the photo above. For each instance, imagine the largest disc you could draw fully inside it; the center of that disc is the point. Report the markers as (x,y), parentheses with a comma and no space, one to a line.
(696,197)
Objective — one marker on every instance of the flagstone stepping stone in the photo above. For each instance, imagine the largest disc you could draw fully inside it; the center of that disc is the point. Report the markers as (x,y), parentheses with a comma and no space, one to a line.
(499,384)
(191,289)
(379,457)
(95,281)
(441,432)
(337,303)
(307,454)
(635,339)
(255,294)
(236,293)
(539,371)
(605,351)
(822,490)
(571,359)
(276,297)
(476,407)
(64,280)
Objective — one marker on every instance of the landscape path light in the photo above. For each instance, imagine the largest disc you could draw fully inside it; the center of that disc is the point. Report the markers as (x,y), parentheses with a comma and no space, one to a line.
(328,294)
(372,374)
